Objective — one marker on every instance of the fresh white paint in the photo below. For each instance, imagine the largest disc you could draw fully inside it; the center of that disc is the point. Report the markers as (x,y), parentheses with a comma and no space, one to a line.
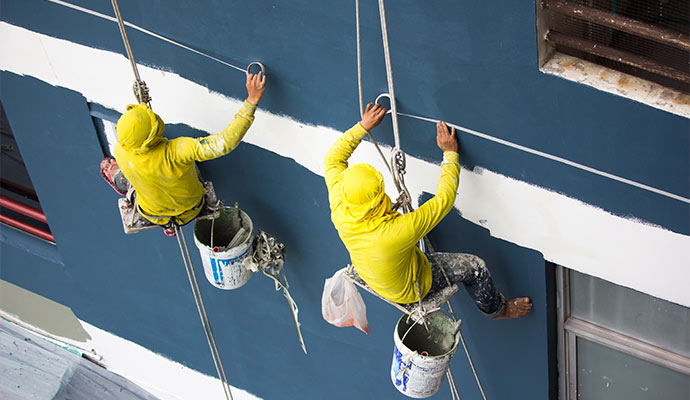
(566,231)
(160,376)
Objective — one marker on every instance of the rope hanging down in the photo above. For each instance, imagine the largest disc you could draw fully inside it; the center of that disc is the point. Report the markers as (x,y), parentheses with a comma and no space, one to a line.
(268,255)
(196,292)
(397,169)
(142,94)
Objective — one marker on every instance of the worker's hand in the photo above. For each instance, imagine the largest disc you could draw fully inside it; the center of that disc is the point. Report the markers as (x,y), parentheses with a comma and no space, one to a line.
(446,140)
(372,116)
(256,86)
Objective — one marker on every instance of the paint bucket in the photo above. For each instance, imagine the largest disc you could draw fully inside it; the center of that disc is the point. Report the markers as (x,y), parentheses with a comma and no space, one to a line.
(421,357)
(224,245)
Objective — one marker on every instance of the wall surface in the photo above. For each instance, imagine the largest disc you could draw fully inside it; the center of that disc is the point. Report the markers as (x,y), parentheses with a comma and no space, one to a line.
(552,171)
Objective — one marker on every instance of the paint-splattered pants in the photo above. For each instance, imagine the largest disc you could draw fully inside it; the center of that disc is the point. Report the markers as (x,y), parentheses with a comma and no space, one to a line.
(471,271)
(120,181)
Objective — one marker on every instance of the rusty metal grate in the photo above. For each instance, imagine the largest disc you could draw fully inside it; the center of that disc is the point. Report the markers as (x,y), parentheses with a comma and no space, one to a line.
(649,38)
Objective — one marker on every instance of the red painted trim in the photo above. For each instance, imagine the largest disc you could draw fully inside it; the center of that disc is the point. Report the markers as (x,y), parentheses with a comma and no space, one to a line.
(23,209)
(27,228)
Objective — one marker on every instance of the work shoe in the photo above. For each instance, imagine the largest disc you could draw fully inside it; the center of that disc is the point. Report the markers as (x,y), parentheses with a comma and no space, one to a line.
(108,168)
(169,230)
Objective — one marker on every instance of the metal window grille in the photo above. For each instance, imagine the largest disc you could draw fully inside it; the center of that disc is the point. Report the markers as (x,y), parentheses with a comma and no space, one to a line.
(645,38)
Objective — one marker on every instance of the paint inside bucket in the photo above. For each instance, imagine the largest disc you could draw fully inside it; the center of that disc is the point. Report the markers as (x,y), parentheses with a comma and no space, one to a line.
(421,357)
(438,341)
(231,222)
(224,243)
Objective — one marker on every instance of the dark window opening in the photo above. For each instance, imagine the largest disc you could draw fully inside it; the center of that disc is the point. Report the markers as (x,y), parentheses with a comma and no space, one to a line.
(20,207)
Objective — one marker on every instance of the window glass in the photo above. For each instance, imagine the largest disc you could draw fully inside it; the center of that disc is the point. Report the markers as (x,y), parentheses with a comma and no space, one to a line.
(604,373)
(632,313)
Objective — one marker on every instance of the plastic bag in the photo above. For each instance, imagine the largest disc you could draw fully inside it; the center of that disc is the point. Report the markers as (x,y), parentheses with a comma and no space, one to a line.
(342,305)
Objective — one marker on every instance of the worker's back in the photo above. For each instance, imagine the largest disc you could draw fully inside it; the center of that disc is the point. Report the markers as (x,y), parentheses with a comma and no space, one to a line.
(386,255)
(165,185)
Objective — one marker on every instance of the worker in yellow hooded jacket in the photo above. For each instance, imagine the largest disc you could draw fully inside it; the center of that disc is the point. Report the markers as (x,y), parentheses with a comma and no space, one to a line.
(163,172)
(383,243)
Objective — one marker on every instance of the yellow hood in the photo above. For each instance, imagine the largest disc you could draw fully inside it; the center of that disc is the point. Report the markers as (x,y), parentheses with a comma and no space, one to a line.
(363,194)
(140,129)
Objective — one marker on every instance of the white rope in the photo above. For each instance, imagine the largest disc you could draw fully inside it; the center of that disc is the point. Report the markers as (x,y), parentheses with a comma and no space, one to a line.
(555,158)
(359,63)
(398,165)
(467,130)
(141,91)
(157,36)
(474,371)
(359,87)
(123,32)
(453,388)
(196,292)
(389,74)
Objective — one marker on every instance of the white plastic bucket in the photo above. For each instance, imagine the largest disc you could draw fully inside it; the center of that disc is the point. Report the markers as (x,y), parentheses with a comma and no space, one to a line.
(224,249)
(421,357)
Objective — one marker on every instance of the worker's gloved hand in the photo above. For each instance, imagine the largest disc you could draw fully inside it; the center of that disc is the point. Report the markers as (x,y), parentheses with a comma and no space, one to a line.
(446,140)
(256,86)
(372,116)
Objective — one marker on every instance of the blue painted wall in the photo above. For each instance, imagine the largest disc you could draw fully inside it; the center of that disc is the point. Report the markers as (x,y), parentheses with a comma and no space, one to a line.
(456,61)
(461,62)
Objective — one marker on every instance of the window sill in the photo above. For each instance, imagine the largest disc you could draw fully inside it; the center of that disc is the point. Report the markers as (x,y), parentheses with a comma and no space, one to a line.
(618,83)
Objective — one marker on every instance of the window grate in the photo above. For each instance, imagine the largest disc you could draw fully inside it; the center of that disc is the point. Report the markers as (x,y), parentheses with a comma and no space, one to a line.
(649,39)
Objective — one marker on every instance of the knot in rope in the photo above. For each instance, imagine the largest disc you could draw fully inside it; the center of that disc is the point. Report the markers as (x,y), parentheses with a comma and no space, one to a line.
(398,161)
(141,91)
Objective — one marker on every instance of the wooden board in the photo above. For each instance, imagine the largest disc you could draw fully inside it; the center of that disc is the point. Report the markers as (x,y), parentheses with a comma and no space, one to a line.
(432,301)
(133,222)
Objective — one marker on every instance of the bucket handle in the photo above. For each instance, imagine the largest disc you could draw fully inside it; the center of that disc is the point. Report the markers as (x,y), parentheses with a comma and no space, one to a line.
(457,322)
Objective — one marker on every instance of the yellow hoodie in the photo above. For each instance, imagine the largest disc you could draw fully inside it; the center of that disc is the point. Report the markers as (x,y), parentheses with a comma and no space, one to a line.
(383,243)
(163,171)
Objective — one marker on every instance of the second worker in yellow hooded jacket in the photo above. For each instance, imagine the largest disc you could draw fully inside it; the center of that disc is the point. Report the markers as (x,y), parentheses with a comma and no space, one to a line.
(383,243)
(163,171)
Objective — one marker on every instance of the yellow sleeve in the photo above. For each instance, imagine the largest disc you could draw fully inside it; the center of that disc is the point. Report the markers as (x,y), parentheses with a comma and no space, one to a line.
(426,217)
(336,158)
(188,149)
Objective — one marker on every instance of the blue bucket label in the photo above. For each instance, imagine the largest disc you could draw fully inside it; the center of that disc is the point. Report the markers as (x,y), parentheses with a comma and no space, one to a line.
(400,365)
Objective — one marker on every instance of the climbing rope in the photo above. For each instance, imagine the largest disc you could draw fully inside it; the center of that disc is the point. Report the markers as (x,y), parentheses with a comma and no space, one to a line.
(141,91)
(196,292)
(397,169)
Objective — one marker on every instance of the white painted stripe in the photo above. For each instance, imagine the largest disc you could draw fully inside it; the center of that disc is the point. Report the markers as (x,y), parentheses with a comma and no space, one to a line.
(565,230)
(157,36)
(466,130)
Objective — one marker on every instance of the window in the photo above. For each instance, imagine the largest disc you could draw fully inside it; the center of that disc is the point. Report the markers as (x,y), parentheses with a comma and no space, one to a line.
(646,41)
(617,343)
(19,205)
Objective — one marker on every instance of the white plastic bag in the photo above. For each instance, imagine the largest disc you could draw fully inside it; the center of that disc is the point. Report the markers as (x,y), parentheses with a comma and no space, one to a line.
(342,305)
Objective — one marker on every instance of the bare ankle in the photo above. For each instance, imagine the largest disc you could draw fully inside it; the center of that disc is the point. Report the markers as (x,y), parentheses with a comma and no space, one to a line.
(516,308)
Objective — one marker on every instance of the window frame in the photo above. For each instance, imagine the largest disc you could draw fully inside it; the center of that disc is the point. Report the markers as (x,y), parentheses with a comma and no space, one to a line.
(571,328)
